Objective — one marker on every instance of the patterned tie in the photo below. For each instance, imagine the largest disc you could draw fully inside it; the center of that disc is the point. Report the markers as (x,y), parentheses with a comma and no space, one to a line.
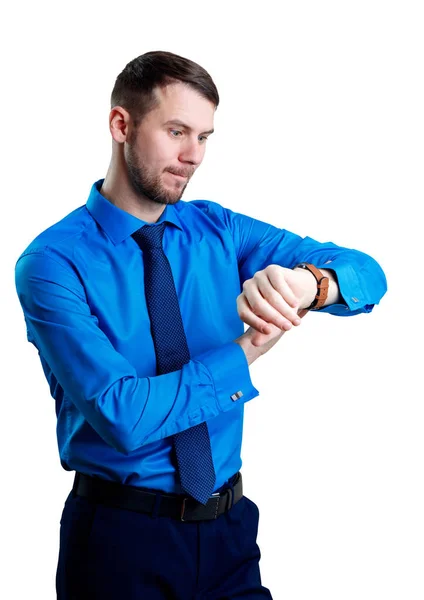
(192,446)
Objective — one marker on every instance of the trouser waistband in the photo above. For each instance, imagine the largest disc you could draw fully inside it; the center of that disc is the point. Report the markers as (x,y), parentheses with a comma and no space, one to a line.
(180,507)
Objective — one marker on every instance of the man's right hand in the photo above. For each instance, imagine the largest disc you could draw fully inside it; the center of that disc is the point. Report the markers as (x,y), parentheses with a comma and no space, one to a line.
(256,343)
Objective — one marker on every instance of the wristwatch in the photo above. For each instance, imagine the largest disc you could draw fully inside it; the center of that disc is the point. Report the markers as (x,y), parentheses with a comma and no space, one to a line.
(322,283)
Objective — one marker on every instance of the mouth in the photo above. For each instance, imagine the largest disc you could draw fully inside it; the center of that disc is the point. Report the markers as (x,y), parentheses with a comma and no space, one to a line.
(177,176)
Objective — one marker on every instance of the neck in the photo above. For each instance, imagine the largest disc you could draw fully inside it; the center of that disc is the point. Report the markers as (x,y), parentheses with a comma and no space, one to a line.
(117,189)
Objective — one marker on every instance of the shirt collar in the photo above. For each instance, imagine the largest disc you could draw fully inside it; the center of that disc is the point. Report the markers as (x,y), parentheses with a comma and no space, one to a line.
(117,223)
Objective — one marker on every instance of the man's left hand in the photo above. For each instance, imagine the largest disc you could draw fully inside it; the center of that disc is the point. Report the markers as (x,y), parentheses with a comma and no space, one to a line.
(275,297)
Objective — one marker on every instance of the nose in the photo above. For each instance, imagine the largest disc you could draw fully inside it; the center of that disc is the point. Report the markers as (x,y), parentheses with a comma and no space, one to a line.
(191,151)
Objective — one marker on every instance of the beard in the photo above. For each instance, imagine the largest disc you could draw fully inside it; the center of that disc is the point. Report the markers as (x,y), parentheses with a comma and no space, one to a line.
(147,183)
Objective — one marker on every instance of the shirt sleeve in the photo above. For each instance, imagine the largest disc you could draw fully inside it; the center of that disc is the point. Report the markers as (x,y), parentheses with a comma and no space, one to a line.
(127,411)
(361,280)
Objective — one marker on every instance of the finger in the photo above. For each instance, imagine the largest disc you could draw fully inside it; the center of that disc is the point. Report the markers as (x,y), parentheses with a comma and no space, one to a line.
(284,298)
(249,317)
(263,309)
(258,339)
(277,299)
(275,275)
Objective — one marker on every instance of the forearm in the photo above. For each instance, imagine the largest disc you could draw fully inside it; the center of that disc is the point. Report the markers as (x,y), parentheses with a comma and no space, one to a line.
(129,411)
(357,279)
(310,287)
(353,287)
(334,296)
(251,352)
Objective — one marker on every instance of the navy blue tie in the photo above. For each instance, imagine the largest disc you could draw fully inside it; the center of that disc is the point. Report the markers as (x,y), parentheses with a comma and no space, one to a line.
(192,446)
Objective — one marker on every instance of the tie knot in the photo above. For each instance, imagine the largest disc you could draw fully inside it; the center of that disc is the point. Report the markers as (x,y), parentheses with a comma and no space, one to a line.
(149,236)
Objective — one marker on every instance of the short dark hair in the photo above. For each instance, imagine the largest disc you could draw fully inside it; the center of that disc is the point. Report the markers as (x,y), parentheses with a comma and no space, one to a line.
(134,87)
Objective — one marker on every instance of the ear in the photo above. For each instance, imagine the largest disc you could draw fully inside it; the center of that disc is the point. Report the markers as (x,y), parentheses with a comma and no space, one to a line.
(119,124)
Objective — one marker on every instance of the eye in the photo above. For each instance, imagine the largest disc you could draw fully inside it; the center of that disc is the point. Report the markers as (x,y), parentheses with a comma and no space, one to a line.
(175,132)
(202,138)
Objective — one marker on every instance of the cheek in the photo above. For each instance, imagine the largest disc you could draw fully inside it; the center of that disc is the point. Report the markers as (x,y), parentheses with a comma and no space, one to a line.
(164,152)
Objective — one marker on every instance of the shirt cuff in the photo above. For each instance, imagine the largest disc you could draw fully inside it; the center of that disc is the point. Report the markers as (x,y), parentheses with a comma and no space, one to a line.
(350,291)
(229,370)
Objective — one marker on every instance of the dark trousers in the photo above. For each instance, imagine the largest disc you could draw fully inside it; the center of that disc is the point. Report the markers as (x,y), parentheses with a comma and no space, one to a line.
(114,554)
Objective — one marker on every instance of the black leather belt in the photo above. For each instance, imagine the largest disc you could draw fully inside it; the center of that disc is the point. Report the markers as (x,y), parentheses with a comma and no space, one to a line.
(176,506)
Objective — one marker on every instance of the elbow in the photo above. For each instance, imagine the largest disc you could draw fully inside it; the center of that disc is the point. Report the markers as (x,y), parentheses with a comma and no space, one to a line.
(378,278)
(125,442)
(119,415)
(120,438)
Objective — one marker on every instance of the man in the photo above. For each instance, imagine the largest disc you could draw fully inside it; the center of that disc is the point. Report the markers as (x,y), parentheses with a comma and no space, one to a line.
(136,302)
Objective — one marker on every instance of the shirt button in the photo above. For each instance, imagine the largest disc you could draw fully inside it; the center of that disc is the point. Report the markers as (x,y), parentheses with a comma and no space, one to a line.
(355,299)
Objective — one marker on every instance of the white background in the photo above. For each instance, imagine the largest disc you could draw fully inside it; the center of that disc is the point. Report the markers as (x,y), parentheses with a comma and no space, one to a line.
(319,131)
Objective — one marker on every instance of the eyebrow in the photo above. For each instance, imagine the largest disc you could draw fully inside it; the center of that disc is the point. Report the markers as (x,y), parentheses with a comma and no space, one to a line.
(181,124)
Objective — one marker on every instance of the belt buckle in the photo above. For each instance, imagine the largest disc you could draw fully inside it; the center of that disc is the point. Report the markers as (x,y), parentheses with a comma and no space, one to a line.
(183,505)
(195,517)
(230,500)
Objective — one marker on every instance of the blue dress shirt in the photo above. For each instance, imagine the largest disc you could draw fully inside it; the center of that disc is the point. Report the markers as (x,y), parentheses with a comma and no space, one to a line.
(80,284)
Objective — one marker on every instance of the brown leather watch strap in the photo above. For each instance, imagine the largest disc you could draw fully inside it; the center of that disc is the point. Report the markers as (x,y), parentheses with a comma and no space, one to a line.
(322,284)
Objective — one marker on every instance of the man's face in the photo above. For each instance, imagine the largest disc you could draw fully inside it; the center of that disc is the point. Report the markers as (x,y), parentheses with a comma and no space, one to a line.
(163,153)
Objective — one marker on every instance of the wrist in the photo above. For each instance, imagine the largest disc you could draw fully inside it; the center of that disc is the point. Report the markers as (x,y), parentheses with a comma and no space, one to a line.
(309,285)
(320,286)
(251,352)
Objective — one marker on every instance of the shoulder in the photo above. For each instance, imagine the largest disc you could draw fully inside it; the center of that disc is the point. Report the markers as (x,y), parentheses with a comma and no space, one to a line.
(203,210)
(51,255)
(205,206)
(60,238)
